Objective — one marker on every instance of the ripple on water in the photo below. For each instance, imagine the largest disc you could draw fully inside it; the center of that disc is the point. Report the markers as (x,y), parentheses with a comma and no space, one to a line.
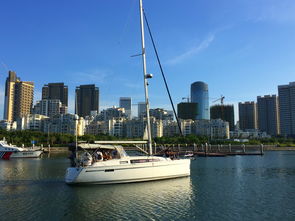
(146,201)
(231,188)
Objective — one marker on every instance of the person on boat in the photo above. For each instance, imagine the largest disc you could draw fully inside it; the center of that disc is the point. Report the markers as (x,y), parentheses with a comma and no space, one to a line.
(167,153)
(115,154)
(106,155)
(98,156)
(86,159)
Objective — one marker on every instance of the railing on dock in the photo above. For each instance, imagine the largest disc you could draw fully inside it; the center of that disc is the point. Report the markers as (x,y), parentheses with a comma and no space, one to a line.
(216,150)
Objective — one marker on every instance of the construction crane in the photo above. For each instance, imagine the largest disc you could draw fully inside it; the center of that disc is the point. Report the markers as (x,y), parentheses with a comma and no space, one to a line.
(186,98)
(221,99)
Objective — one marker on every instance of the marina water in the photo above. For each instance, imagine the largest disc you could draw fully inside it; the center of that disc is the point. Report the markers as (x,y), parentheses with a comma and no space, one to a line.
(227,188)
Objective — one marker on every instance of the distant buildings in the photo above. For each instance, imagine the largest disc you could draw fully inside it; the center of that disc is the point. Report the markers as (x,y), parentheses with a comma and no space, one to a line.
(65,124)
(18,97)
(248,134)
(287,109)
(55,91)
(87,100)
(161,114)
(268,114)
(215,129)
(8,125)
(271,116)
(32,122)
(125,102)
(248,115)
(186,111)
(141,109)
(113,112)
(223,112)
(200,95)
(49,107)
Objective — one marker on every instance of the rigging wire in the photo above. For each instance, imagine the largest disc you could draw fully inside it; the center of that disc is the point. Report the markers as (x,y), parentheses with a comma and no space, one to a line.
(162,72)
(127,21)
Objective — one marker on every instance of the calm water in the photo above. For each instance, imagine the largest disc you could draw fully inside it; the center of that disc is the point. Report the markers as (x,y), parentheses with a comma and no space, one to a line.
(230,188)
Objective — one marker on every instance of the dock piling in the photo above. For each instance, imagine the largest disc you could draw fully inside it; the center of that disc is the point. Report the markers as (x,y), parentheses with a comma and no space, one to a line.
(261,149)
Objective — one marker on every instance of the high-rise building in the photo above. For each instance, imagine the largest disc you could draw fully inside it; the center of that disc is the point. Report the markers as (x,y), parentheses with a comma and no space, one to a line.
(287,109)
(141,109)
(19,97)
(161,114)
(87,100)
(187,111)
(55,91)
(49,107)
(200,95)
(248,115)
(224,112)
(268,114)
(125,102)
(110,113)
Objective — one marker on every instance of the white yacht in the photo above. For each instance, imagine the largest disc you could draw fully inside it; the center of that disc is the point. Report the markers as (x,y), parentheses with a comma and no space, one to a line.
(100,168)
(11,151)
(115,166)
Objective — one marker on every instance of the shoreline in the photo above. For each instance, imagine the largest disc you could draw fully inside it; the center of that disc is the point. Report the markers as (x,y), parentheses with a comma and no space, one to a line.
(266,148)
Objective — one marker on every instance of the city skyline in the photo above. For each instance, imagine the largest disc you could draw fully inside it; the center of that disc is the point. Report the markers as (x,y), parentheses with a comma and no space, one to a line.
(241,50)
(134,110)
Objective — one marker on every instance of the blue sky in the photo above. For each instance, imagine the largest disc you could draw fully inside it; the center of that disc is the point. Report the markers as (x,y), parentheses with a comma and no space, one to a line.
(241,48)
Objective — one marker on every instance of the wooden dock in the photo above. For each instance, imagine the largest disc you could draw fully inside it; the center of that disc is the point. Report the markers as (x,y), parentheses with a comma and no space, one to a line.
(208,150)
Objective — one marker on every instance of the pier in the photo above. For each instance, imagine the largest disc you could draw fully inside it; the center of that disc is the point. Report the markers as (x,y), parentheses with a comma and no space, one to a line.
(208,150)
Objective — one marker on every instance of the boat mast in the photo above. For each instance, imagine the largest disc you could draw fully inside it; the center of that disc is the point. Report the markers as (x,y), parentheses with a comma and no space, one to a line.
(76,124)
(145,76)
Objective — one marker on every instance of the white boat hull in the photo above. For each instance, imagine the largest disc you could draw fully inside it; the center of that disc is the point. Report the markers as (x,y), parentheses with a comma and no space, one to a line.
(27,154)
(126,173)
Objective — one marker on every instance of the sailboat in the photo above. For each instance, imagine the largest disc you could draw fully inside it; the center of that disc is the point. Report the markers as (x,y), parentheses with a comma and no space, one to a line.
(110,164)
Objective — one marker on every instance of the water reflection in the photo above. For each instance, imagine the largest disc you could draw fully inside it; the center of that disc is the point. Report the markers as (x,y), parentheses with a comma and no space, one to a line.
(230,188)
(149,200)
(19,168)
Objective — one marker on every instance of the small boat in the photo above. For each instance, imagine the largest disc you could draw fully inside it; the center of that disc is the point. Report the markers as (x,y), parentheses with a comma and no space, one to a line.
(8,151)
(189,154)
(5,151)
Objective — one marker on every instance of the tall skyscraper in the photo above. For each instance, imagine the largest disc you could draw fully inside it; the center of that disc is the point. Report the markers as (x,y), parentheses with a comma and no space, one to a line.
(248,115)
(287,109)
(19,97)
(200,95)
(224,112)
(55,91)
(125,102)
(141,109)
(87,100)
(268,114)
(187,111)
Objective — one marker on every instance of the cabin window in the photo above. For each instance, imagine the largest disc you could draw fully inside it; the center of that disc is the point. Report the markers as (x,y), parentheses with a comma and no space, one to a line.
(109,170)
(144,160)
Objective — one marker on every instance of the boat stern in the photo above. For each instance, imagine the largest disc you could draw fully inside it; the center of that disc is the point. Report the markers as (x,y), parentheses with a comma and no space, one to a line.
(5,155)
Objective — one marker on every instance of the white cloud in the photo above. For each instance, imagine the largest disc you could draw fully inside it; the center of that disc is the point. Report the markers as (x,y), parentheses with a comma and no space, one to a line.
(133,86)
(92,76)
(276,11)
(192,51)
